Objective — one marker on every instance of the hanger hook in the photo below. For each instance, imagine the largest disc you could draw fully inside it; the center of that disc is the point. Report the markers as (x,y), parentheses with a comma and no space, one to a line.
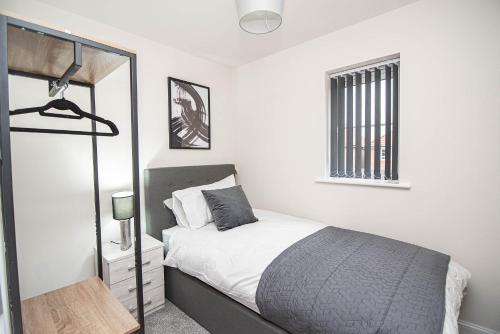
(63,89)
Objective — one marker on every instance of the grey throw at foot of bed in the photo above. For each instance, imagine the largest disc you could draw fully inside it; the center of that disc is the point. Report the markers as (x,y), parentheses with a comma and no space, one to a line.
(342,281)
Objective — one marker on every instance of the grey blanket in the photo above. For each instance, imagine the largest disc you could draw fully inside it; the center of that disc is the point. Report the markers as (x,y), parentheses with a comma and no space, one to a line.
(346,282)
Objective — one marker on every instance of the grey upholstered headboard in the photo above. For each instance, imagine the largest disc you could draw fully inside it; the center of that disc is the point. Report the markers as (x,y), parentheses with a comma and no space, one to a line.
(159,183)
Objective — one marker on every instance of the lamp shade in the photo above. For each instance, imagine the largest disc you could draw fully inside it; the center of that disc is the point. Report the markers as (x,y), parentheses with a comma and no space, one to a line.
(123,205)
(259,16)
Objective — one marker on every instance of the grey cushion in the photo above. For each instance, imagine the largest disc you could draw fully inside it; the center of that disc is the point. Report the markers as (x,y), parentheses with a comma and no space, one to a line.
(230,207)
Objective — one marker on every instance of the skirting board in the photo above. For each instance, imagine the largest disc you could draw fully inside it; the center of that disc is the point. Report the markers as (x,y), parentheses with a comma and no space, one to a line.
(466,327)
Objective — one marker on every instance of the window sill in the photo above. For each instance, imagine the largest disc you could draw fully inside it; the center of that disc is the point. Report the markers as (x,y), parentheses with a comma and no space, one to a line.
(365,182)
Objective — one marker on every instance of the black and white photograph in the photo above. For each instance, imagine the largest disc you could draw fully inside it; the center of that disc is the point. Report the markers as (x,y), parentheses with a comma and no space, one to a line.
(189,115)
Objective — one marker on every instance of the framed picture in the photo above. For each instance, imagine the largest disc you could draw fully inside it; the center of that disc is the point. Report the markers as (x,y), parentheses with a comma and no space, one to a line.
(189,115)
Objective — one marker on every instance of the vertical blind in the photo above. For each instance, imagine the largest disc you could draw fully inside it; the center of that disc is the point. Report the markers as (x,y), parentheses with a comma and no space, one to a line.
(364,120)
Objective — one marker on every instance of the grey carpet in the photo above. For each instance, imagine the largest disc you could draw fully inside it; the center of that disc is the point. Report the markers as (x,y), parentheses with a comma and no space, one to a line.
(171,320)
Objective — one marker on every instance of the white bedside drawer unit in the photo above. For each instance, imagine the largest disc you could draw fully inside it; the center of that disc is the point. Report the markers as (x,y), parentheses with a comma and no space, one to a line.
(153,300)
(125,268)
(119,274)
(126,288)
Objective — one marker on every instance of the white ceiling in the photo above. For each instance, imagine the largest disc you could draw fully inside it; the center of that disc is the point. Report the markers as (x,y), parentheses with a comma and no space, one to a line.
(209,28)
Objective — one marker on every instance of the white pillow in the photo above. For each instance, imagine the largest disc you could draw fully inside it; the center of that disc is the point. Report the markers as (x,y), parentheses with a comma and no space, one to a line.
(189,205)
(169,203)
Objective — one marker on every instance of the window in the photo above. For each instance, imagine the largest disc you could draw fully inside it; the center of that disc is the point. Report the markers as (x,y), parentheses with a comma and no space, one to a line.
(364,114)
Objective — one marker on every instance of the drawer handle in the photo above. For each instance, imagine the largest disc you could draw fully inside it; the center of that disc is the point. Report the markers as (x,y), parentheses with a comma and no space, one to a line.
(148,282)
(145,263)
(132,309)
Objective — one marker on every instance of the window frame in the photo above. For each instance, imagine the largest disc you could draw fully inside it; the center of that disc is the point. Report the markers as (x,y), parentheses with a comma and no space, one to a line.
(327,178)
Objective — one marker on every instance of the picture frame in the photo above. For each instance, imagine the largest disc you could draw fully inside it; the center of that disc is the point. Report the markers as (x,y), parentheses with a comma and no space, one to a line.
(188,115)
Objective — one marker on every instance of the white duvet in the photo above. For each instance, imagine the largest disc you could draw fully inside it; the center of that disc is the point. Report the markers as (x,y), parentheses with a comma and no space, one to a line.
(233,261)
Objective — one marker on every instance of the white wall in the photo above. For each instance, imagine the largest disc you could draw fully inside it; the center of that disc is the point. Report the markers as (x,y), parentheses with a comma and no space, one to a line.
(450,70)
(66,193)
(53,193)
(114,153)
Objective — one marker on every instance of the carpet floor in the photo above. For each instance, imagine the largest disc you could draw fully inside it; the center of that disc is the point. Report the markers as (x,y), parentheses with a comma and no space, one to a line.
(171,320)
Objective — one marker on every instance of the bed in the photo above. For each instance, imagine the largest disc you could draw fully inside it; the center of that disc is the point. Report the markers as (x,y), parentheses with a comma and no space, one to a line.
(217,288)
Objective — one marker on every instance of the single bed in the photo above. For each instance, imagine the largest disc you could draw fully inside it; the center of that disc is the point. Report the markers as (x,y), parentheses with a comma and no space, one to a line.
(212,309)
(217,287)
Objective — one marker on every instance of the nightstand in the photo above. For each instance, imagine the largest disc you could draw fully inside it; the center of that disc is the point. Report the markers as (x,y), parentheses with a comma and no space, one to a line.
(119,274)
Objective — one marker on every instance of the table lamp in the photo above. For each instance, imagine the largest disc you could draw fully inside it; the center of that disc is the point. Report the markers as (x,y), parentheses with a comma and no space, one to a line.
(123,210)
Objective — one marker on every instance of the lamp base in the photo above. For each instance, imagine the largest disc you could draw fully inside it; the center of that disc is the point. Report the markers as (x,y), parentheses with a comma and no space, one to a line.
(125,236)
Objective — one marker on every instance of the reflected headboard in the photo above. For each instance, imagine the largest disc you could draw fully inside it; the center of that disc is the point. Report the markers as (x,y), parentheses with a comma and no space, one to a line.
(159,183)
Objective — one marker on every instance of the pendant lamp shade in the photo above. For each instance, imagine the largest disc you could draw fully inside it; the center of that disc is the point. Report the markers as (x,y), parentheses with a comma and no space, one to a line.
(259,16)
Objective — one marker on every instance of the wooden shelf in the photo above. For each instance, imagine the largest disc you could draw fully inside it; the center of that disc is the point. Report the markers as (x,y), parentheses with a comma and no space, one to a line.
(85,307)
(37,53)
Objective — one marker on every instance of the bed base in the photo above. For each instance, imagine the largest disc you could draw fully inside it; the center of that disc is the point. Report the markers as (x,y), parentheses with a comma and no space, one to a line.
(213,310)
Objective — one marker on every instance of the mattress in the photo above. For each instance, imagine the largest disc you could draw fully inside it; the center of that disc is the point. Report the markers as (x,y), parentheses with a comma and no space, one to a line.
(233,261)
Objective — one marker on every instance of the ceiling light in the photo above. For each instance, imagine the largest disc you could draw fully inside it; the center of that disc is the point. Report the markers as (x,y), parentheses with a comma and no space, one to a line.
(259,16)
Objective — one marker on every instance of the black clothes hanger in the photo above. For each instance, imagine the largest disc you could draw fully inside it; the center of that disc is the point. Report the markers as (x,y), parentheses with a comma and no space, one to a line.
(60,104)
(63,104)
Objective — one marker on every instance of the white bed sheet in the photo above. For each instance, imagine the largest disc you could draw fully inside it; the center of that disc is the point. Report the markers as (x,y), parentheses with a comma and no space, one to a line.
(233,261)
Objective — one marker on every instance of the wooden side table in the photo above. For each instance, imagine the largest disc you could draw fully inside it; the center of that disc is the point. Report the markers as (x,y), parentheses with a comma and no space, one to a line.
(85,307)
